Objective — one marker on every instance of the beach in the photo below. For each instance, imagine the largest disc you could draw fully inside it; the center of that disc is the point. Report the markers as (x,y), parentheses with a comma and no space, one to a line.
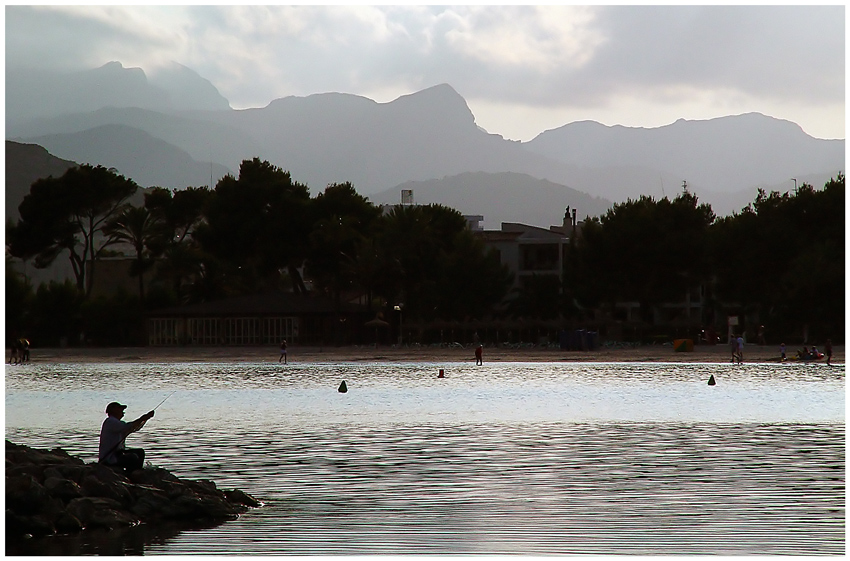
(645,353)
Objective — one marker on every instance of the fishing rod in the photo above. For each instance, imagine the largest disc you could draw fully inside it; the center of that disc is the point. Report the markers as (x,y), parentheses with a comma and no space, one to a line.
(163,401)
(120,442)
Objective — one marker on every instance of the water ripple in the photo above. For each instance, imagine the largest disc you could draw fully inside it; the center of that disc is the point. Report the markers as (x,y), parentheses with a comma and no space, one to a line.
(511,459)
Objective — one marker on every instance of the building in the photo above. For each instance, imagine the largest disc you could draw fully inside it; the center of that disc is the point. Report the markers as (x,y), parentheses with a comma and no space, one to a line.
(263,319)
(110,275)
(527,250)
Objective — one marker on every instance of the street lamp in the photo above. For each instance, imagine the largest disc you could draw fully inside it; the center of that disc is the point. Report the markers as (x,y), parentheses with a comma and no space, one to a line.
(398,308)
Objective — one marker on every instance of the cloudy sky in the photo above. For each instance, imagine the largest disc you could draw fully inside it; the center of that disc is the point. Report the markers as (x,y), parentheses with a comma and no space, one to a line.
(522,69)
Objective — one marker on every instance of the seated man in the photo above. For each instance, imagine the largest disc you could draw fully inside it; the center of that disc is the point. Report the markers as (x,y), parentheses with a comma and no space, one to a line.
(113,432)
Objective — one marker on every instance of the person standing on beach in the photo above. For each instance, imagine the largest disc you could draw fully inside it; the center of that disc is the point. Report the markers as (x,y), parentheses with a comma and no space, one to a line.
(782,352)
(479,355)
(114,432)
(828,350)
(282,351)
(14,353)
(740,349)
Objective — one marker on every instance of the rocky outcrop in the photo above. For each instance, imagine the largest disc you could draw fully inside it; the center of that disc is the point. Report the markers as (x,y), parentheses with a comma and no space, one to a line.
(51,492)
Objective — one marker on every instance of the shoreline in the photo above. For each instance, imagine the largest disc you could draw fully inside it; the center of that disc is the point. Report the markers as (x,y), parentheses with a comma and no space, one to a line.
(298,354)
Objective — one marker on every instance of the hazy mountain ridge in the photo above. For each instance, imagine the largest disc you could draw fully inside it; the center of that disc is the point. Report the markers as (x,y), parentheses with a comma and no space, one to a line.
(26,163)
(120,147)
(32,93)
(480,193)
(334,137)
(713,154)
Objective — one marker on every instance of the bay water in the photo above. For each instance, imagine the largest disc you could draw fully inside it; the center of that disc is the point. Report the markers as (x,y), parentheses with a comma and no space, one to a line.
(505,458)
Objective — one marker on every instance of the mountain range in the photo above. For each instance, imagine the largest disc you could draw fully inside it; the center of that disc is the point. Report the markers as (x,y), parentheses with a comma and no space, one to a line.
(174,129)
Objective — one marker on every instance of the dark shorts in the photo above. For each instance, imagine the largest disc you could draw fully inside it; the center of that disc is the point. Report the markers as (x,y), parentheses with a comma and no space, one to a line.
(131,458)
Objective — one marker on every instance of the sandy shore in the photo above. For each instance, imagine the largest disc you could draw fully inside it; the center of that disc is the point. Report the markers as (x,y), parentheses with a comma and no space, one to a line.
(650,353)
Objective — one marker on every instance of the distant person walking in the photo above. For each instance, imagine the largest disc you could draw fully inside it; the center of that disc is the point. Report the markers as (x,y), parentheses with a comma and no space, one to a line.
(733,346)
(14,353)
(740,349)
(828,350)
(782,356)
(282,352)
(761,339)
(479,355)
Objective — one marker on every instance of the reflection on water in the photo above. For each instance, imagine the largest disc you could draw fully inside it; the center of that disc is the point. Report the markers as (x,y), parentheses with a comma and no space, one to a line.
(508,458)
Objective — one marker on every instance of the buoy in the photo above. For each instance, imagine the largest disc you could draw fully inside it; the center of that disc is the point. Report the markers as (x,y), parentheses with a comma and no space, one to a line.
(441,374)
(711,381)
(342,387)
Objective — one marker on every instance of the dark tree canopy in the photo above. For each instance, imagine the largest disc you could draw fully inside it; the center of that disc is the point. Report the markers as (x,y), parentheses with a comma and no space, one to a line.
(256,227)
(646,251)
(67,214)
(783,258)
(780,260)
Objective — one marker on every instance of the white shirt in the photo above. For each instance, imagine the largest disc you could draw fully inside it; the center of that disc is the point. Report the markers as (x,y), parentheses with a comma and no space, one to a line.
(112,434)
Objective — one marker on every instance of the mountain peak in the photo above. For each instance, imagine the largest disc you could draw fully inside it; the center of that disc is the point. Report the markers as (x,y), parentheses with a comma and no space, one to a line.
(439,93)
(441,99)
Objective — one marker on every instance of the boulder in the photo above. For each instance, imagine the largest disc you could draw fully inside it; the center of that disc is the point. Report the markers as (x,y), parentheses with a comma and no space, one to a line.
(241,497)
(50,491)
(116,490)
(150,504)
(67,523)
(62,488)
(25,495)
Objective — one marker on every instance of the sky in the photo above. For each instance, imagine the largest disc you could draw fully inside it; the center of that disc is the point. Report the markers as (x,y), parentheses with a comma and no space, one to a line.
(522,69)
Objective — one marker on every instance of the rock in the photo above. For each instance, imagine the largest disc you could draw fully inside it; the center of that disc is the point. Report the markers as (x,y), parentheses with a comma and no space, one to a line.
(61,488)
(240,497)
(67,523)
(24,495)
(33,470)
(117,490)
(73,472)
(153,476)
(50,491)
(150,504)
(105,473)
(98,512)
(111,519)
(19,524)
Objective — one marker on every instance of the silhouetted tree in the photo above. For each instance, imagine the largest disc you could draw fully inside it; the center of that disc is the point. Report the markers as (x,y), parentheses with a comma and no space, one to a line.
(142,230)
(782,258)
(434,267)
(257,228)
(67,214)
(645,250)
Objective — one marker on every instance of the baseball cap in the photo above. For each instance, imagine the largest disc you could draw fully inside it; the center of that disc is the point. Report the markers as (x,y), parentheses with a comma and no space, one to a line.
(115,406)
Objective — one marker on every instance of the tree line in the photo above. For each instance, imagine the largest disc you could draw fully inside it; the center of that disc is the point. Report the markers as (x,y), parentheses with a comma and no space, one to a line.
(780,260)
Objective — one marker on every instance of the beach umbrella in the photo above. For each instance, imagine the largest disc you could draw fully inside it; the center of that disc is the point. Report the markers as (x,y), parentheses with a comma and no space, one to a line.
(377,323)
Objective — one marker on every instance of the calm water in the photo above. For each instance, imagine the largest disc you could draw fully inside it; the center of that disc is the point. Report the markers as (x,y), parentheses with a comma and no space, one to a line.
(541,458)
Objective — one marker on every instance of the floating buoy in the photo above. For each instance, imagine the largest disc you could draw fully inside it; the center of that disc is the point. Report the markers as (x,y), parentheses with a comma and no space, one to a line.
(342,387)
(711,381)
(441,374)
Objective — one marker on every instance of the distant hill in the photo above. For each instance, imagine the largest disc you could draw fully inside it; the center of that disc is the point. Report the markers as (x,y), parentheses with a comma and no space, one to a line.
(26,163)
(136,154)
(421,137)
(726,154)
(38,93)
(500,197)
